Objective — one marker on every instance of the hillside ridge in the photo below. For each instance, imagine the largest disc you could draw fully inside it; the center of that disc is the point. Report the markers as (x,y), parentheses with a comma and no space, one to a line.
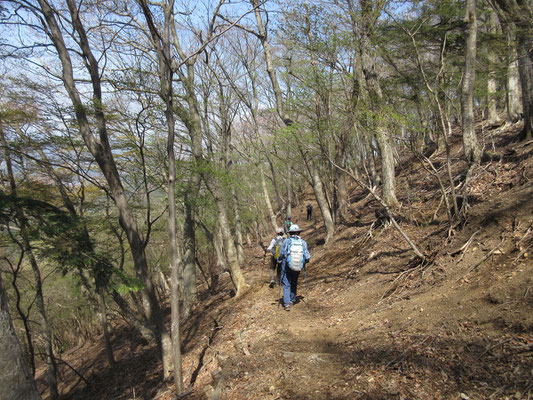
(372,321)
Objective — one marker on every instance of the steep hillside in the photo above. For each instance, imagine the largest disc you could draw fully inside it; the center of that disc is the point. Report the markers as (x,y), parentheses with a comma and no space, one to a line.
(373,322)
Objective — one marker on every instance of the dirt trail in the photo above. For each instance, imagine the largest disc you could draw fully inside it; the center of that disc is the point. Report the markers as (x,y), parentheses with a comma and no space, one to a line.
(280,354)
(303,353)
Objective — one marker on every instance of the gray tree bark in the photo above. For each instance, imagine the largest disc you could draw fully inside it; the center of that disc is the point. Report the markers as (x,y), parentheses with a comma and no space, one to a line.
(525,69)
(268,203)
(288,185)
(229,245)
(162,42)
(472,149)
(388,171)
(238,226)
(322,202)
(190,290)
(103,322)
(514,92)
(492,112)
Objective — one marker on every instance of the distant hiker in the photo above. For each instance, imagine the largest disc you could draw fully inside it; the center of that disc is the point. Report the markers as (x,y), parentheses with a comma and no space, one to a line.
(287,225)
(275,248)
(309,212)
(293,257)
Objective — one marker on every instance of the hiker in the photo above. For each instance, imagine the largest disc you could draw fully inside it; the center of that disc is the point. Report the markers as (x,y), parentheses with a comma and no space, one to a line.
(275,248)
(293,257)
(287,225)
(309,212)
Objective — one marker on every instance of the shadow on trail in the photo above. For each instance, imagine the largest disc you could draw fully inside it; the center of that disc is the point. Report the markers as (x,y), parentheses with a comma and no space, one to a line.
(390,367)
(198,368)
(137,373)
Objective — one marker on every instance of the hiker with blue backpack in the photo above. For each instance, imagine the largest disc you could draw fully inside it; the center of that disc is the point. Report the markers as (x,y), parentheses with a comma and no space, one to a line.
(293,257)
(275,247)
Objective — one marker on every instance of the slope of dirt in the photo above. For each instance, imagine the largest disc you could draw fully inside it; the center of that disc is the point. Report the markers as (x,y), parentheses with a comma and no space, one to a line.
(372,322)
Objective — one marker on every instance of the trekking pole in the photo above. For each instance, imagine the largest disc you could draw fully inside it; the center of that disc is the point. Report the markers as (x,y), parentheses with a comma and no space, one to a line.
(279,288)
(306,288)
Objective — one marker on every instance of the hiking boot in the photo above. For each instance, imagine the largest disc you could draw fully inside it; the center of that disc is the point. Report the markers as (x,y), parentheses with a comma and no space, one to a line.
(291,303)
(271,285)
(287,307)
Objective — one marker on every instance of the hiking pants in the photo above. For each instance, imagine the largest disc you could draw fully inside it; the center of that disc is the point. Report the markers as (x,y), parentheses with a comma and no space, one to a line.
(289,280)
(275,269)
(309,214)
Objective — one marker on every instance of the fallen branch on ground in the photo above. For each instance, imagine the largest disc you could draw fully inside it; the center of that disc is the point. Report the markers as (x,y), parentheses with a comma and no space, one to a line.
(490,253)
(465,246)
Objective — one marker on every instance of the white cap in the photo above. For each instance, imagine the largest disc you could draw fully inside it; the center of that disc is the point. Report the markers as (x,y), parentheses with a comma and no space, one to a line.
(294,228)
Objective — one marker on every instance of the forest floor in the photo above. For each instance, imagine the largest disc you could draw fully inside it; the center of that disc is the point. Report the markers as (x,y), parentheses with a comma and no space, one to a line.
(372,322)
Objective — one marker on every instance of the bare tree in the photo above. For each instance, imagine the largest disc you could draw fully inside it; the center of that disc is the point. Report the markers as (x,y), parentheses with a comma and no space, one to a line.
(471,145)
(492,112)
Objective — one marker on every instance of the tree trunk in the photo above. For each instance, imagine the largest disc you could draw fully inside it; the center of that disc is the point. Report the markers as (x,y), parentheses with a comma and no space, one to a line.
(238,226)
(525,69)
(288,184)
(275,184)
(175,323)
(340,176)
(322,202)
(16,380)
(191,118)
(171,360)
(492,112)
(25,318)
(131,317)
(471,146)
(370,160)
(387,170)
(514,94)
(103,323)
(170,342)
(190,290)
(218,244)
(280,106)
(373,97)
(229,245)
(267,201)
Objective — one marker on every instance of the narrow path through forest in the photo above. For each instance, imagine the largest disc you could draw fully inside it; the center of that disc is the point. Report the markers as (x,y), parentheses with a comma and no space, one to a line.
(291,354)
